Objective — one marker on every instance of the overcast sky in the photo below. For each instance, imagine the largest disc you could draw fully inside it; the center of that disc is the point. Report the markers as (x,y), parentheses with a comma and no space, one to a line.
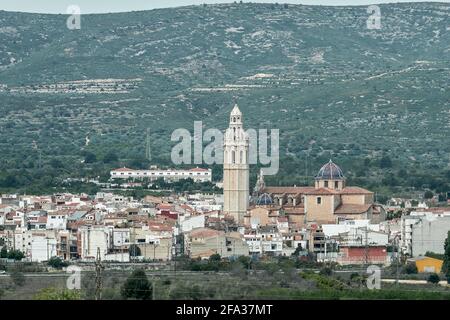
(104,6)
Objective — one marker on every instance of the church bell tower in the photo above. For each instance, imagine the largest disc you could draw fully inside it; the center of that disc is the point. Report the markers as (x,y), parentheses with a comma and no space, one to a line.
(236,168)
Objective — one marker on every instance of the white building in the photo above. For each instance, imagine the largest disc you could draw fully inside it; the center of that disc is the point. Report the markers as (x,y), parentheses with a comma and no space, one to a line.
(192,222)
(171,175)
(265,241)
(56,220)
(331,230)
(424,232)
(42,248)
(363,236)
(120,237)
(94,238)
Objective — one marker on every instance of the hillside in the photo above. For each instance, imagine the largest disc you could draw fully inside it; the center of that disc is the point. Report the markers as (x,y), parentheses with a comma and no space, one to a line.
(333,87)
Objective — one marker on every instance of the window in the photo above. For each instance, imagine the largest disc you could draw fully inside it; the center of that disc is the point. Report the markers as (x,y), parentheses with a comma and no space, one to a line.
(319,200)
(326,184)
(336,184)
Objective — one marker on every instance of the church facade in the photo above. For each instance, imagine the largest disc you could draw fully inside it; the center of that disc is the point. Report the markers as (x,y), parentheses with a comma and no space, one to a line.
(328,202)
(236,168)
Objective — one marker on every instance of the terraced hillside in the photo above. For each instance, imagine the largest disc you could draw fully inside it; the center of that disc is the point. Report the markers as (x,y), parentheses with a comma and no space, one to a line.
(332,86)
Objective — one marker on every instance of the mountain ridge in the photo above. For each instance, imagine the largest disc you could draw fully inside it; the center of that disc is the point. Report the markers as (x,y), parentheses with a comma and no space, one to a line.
(333,87)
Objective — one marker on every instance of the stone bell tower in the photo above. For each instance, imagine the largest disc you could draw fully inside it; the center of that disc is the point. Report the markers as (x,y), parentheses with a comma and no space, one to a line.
(236,168)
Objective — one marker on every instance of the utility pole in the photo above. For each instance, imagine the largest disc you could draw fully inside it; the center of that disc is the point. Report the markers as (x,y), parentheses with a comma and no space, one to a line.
(367,246)
(98,276)
(397,274)
(147,146)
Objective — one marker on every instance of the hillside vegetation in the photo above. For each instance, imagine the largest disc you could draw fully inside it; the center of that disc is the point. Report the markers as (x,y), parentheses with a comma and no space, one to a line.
(376,101)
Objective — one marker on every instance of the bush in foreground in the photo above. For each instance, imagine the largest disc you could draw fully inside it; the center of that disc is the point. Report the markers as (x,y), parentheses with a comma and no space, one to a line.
(137,286)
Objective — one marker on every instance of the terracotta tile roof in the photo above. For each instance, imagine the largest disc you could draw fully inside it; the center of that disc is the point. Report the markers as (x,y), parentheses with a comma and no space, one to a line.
(288,190)
(352,208)
(355,190)
(204,233)
(39,220)
(186,207)
(322,191)
(159,227)
(198,169)
(124,169)
(164,206)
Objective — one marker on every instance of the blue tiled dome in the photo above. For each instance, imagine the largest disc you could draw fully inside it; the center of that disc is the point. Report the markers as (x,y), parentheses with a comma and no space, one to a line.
(264,200)
(330,171)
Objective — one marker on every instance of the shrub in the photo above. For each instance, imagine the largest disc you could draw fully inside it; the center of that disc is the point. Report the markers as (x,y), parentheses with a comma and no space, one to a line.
(410,268)
(57,263)
(137,286)
(326,271)
(18,278)
(57,294)
(433,278)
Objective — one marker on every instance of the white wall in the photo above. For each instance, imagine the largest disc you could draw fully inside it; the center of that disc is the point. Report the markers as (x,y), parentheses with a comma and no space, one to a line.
(192,222)
(42,248)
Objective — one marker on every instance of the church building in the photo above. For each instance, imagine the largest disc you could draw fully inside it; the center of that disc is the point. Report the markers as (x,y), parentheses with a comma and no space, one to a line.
(330,201)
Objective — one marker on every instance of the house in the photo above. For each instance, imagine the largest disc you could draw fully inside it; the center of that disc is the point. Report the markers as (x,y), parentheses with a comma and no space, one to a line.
(422,233)
(93,238)
(159,249)
(171,175)
(42,248)
(427,264)
(204,242)
(362,255)
(265,240)
(57,220)
(191,222)
(37,223)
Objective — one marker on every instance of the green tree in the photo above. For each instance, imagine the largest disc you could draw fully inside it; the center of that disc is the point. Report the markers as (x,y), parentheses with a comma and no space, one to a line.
(4,253)
(16,255)
(215,258)
(137,286)
(57,294)
(57,263)
(110,157)
(385,162)
(433,278)
(89,157)
(410,268)
(428,194)
(297,250)
(446,264)
(18,278)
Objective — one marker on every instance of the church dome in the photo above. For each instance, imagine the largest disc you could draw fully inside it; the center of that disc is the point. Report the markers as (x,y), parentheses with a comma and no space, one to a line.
(330,171)
(264,200)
